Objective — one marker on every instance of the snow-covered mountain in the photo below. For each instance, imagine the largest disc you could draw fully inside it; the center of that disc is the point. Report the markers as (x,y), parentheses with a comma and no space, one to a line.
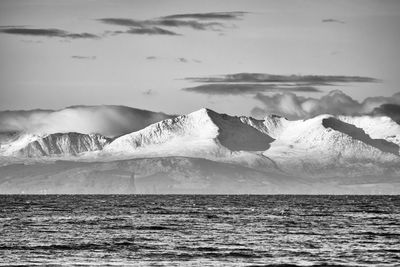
(329,146)
(349,148)
(28,145)
(204,131)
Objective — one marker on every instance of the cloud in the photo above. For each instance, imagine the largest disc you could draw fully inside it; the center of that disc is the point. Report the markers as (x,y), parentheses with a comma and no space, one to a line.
(188,23)
(151,57)
(336,102)
(148,92)
(47,33)
(122,22)
(186,60)
(209,16)
(266,78)
(390,110)
(107,120)
(179,59)
(142,25)
(84,57)
(243,89)
(151,31)
(333,21)
(195,21)
(251,83)
(182,60)
(137,26)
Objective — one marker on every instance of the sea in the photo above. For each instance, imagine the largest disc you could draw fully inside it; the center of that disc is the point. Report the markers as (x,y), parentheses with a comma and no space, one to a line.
(199,230)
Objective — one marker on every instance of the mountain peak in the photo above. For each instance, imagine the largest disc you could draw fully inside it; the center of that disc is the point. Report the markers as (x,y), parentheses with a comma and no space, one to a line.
(203,127)
(203,112)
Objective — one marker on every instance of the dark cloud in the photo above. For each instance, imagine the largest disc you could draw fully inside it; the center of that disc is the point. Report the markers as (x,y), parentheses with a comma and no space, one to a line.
(243,89)
(252,83)
(84,57)
(47,33)
(188,23)
(183,60)
(336,102)
(148,92)
(333,21)
(151,31)
(271,78)
(390,110)
(196,21)
(157,23)
(151,57)
(209,16)
(107,120)
(122,22)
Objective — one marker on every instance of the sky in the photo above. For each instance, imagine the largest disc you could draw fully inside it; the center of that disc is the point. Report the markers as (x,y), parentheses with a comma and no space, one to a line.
(235,57)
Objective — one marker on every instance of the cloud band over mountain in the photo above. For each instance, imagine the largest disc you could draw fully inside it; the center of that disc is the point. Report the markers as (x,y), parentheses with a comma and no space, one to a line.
(336,102)
(106,120)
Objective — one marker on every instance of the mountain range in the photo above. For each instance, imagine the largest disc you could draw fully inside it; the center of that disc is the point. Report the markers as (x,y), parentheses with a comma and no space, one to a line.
(209,152)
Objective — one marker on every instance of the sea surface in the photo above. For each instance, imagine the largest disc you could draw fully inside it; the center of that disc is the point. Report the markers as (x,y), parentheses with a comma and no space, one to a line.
(200,230)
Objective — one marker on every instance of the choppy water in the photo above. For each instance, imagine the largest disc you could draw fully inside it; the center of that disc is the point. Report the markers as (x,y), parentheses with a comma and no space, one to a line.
(200,230)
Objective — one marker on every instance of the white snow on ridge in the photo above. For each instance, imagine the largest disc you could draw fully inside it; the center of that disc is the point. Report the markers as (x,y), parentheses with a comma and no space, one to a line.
(202,128)
(358,144)
(377,127)
(28,145)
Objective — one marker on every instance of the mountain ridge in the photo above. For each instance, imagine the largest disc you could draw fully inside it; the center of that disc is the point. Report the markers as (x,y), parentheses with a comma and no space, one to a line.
(315,147)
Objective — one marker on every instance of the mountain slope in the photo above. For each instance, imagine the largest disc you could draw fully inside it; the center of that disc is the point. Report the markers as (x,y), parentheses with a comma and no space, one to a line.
(359,134)
(325,146)
(54,144)
(198,131)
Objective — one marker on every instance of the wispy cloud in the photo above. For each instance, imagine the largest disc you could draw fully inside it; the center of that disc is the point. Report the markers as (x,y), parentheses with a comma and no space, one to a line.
(148,92)
(195,21)
(245,89)
(272,78)
(151,57)
(84,57)
(151,31)
(336,102)
(47,33)
(252,83)
(209,16)
(179,59)
(333,21)
(144,26)
(182,60)
(188,60)
(107,120)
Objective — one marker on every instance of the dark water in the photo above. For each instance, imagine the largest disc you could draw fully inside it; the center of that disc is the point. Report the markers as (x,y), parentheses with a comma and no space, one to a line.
(200,230)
